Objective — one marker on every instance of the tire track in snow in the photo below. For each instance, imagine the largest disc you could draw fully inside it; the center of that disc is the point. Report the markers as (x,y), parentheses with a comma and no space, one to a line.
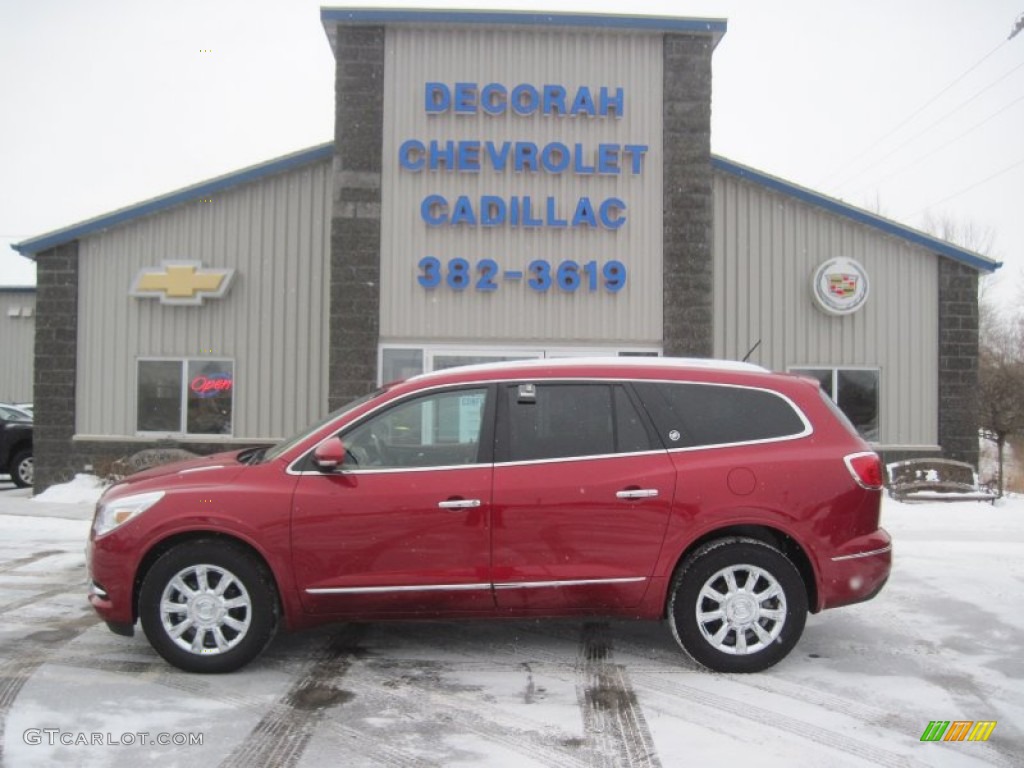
(11,565)
(283,733)
(771,683)
(429,705)
(890,718)
(462,709)
(38,647)
(775,721)
(614,724)
(35,597)
(386,692)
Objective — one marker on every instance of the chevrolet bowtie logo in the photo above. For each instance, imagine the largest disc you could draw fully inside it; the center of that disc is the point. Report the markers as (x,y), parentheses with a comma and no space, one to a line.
(181,283)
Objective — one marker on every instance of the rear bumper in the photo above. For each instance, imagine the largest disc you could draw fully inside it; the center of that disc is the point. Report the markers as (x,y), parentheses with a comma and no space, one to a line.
(857,572)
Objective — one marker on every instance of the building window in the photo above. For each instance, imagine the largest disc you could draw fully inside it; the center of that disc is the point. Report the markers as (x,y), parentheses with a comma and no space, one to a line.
(399,364)
(187,397)
(855,391)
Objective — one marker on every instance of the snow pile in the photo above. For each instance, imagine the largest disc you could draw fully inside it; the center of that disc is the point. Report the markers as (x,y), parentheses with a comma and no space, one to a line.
(84,489)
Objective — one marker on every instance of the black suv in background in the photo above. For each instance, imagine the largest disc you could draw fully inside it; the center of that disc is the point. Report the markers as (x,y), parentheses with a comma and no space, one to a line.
(16,449)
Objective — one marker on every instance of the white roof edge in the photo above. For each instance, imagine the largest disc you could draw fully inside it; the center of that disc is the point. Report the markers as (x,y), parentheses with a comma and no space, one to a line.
(682,363)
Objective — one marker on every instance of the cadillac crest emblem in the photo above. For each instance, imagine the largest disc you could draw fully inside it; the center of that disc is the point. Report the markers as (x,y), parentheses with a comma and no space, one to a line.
(840,286)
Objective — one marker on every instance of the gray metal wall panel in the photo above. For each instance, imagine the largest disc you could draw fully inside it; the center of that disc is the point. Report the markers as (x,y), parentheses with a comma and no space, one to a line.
(17,345)
(766,249)
(275,232)
(515,312)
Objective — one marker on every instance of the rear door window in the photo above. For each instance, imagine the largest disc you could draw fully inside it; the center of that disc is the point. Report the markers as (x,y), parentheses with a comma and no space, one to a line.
(563,420)
(690,415)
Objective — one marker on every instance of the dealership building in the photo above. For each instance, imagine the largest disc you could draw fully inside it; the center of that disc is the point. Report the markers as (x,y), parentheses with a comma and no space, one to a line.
(500,185)
(17,342)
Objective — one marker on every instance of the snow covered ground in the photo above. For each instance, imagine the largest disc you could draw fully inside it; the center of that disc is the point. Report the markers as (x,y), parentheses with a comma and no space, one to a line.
(943,641)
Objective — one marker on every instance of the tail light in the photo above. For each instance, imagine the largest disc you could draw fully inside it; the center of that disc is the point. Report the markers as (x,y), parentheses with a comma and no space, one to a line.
(866,469)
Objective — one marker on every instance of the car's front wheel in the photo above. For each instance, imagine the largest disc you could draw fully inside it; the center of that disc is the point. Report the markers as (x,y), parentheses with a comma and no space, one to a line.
(23,469)
(208,606)
(737,605)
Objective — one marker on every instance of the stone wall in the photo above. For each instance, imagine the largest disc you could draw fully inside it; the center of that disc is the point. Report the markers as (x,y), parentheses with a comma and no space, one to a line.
(355,218)
(958,361)
(56,358)
(688,270)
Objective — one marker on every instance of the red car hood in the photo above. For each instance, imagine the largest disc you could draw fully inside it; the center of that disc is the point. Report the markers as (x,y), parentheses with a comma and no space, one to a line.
(205,470)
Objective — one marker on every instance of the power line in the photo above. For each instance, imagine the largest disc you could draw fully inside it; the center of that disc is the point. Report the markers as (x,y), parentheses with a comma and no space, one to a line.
(928,127)
(965,190)
(914,114)
(939,148)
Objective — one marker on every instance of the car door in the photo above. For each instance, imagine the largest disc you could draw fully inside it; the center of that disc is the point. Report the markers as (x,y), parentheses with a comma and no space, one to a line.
(581,501)
(403,525)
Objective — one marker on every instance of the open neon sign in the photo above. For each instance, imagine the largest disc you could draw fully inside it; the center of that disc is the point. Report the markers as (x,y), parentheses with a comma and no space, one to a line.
(212,385)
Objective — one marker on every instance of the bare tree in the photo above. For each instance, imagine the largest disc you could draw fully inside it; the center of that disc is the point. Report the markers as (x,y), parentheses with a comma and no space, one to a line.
(966,234)
(1000,347)
(1001,380)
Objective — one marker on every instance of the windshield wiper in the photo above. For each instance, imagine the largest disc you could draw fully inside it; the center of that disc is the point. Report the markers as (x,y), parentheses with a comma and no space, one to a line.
(253,455)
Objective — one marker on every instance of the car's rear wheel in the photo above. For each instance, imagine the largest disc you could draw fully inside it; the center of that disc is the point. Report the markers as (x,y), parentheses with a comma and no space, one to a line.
(23,469)
(737,605)
(208,606)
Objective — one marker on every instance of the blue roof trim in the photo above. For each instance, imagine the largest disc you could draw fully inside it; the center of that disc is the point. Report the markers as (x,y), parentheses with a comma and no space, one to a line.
(964,256)
(203,189)
(325,151)
(532,18)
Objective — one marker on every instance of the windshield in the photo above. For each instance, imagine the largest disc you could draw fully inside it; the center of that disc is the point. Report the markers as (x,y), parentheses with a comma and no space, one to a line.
(285,445)
(14,414)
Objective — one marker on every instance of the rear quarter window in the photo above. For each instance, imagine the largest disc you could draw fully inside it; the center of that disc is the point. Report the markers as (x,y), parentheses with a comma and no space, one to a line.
(690,415)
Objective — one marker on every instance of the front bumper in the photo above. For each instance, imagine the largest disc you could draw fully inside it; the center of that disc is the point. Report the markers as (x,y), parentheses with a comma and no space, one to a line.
(110,585)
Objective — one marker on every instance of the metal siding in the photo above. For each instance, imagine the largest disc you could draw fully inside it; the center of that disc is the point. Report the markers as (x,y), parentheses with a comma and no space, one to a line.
(17,345)
(276,234)
(516,313)
(766,248)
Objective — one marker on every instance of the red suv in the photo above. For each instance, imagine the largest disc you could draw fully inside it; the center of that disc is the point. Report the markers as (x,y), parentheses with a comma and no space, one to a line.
(725,498)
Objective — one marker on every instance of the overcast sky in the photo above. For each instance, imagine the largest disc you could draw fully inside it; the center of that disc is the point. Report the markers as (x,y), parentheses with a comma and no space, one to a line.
(906,107)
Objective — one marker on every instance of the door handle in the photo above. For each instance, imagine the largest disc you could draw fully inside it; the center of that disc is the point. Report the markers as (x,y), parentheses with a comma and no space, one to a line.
(638,493)
(456,504)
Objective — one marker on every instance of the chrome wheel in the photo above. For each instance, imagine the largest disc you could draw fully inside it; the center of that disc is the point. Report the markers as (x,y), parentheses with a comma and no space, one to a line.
(209,605)
(737,605)
(741,609)
(205,610)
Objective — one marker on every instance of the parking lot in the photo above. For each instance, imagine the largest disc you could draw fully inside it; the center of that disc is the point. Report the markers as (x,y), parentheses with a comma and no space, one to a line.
(942,642)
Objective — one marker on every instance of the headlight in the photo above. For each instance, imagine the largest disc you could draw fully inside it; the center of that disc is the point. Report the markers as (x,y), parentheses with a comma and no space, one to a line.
(114,513)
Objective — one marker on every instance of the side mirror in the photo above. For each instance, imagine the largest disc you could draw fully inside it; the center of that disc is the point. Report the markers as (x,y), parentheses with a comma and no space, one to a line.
(329,455)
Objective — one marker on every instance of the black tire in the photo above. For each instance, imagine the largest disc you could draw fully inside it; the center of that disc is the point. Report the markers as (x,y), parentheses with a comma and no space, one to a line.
(753,633)
(22,469)
(221,626)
